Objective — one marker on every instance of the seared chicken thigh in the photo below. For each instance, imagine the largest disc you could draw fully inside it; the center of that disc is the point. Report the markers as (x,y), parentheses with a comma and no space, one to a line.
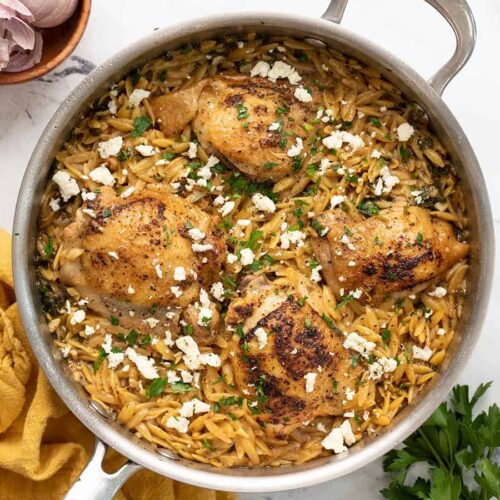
(147,251)
(287,357)
(391,252)
(249,122)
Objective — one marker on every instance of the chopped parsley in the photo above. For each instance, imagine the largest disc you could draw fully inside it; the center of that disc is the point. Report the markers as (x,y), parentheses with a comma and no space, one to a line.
(242,111)
(344,301)
(368,207)
(419,240)
(141,124)
(386,335)
(179,387)
(114,321)
(48,249)
(156,387)
(375,121)
(269,165)
(100,358)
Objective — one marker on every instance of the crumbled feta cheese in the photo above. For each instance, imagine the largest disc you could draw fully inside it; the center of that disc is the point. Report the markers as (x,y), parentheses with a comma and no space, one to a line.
(127,192)
(288,238)
(189,408)
(192,356)
(145,150)
(376,153)
(158,270)
(151,322)
(337,200)
(217,291)
(89,330)
(196,235)
(231,258)
(102,175)
(172,377)
(113,108)
(321,427)
(438,292)
(243,222)
(357,343)
(180,424)
(111,147)
(247,256)
(77,317)
(348,435)
(145,365)
(385,182)
(297,148)
(68,186)
(274,126)
(441,331)
(114,255)
(261,336)
(197,247)
(204,312)
(356,294)
(310,379)
(263,203)
(179,274)
(334,441)
(281,69)
(131,290)
(176,291)
(339,137)
(347,242)
(260,69)
(315,276)
(381,366)
(324,165)
(302,95)
(422,353)
(168,338)
(227,208)
(137,96)
(404,131)
(193,150)
(54,204)
(349,394)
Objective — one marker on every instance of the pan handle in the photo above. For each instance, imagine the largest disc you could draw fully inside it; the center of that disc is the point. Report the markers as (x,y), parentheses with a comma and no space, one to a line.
(95,484)
(459,17)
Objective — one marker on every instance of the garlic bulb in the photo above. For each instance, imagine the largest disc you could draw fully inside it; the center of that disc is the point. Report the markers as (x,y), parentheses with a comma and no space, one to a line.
(50,13)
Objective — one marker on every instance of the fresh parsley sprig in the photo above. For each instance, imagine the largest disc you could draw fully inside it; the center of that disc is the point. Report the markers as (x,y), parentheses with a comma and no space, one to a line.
(461,450)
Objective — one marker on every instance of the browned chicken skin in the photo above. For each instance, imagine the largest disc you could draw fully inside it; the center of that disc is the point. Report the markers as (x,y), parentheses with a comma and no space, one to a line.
(232,119)
(299,342)
(388,253)
(124,258)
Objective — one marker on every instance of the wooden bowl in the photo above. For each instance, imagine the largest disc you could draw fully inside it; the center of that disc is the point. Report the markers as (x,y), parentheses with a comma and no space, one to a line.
(58,43)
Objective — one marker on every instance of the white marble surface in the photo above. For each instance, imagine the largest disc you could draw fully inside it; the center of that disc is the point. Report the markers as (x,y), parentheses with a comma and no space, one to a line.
(410,29)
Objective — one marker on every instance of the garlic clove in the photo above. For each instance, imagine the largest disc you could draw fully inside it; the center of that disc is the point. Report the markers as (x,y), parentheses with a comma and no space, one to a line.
(21,61)
(21,32)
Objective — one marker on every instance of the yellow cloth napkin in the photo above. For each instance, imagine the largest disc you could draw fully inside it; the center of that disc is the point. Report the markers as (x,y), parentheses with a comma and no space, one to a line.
(43,447)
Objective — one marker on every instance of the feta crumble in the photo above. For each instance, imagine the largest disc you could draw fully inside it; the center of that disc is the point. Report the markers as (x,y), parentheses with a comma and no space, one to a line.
(261,336)
(137,96)
(193,150)
(145,365)
(217,291)
(179,273)
(438,292)
(77,317)
(247,256)
(111,147)
(339,137)
(263,203)
(404,131)
(383,365)
(359,344)
(145,150)
(302,95)
(310,379)
(180,424)
(385,182)
(297,148)
(337,200)
(421,353)
(68,186)
(102,175)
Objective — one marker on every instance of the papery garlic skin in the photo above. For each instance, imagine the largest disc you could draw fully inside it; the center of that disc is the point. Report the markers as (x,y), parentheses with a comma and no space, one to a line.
(50,13)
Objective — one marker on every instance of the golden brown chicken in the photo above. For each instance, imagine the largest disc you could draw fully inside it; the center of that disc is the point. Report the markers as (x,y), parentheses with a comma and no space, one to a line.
(391,252)
(147,252)
(287,358)
(250,122)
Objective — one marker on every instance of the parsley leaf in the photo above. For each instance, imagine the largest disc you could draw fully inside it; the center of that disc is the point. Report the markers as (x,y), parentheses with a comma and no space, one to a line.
(156,387)
(454,445)
(141,124)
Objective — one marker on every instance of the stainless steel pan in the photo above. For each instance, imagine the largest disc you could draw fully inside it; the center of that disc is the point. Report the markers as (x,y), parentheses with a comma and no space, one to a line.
(94,482)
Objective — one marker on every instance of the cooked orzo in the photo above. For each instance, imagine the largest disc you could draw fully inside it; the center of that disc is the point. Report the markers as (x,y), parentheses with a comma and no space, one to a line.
(252,251)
